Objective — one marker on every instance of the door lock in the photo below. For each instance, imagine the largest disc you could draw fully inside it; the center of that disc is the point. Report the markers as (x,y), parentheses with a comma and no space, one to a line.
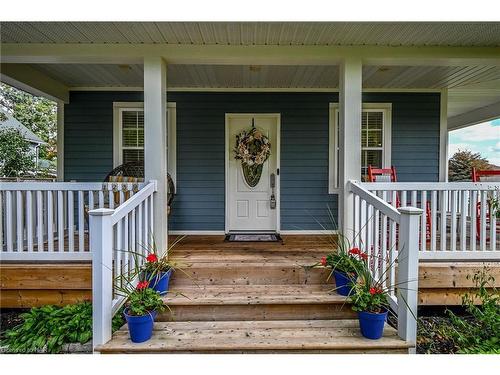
(272,201)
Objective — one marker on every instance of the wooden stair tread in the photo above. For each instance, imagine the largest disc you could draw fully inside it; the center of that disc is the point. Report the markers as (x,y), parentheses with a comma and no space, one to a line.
(254,336)
(253,294)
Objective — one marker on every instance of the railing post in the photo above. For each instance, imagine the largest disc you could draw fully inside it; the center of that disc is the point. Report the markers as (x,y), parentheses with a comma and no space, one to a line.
(407,288)
(101,246)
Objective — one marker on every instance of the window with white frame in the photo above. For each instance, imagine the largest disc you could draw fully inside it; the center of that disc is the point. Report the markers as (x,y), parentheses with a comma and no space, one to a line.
(375,140)
(128,135)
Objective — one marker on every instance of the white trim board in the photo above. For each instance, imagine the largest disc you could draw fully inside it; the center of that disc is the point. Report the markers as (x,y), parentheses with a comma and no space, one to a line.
(278,164)
(196,233)
(333,178)
(119,107)
(308,232)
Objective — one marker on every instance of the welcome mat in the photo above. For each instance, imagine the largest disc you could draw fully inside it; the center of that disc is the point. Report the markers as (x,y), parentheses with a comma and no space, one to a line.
(253,237)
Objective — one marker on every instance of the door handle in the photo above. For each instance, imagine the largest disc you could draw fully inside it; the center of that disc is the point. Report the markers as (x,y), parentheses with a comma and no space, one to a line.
(272,201)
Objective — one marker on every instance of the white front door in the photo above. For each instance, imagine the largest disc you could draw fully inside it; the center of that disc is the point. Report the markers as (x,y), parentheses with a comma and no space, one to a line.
(249,208)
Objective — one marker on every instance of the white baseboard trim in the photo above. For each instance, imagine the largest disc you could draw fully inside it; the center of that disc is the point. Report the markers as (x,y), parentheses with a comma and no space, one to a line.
(305,232)
(196,232)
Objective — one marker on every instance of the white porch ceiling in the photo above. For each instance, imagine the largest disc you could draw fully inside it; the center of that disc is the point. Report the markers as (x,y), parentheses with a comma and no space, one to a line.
(271,76)
(257,33)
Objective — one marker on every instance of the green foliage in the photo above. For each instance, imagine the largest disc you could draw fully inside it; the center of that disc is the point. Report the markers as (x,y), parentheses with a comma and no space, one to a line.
(49,327)
(461,164)
(479,332)
(142,301)
(36,113)
(16,157)
(367,298)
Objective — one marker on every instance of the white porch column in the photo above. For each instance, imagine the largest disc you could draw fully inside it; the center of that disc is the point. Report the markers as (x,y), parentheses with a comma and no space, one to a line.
(60,140)
(350,104)
(155,141)
(443,137)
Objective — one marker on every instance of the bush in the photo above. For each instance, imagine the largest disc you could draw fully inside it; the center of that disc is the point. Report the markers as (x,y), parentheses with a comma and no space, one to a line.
(479,332)
(50,327)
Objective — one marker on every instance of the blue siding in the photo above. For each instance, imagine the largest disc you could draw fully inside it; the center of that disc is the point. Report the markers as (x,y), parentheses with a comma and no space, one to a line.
(199,204)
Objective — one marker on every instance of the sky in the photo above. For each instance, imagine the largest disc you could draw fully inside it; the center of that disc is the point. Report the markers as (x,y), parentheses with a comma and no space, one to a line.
(483,138)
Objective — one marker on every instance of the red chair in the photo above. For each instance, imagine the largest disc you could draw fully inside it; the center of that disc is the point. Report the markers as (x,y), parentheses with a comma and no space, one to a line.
(484,176)
(389,175)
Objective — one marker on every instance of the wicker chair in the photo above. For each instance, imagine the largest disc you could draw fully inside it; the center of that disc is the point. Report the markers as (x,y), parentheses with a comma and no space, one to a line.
(134,172)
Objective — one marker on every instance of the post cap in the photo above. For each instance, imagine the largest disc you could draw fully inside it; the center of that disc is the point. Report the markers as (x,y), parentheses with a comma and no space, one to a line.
(410,210)
(101,212)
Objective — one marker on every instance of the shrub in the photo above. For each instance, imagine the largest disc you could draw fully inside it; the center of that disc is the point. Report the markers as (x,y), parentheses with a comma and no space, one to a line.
(16,157)
(50,327)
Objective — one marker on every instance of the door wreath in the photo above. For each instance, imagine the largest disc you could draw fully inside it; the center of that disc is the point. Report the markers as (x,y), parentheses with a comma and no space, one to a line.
(253,149)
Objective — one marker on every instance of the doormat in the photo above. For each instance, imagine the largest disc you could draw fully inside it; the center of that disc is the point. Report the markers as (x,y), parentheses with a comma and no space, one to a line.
(253,237)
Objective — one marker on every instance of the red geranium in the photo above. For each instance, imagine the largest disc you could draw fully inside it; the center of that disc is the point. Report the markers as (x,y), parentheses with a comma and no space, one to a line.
(363,256)
(323,261)
(151,258)
(142,285)
(373,291)
(355,251)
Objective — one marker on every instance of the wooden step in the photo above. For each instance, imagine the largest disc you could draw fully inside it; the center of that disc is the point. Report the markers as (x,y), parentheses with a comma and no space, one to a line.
(255,302)
(315,336)
(247,269)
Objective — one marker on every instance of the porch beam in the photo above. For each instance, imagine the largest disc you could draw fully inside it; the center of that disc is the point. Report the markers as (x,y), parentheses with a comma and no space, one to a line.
(474,117)
(230,54)
(155,141)
(350,107)
(27,78)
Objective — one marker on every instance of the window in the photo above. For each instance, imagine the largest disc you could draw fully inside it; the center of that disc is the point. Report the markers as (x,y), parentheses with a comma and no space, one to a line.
(375,140)
(128,136)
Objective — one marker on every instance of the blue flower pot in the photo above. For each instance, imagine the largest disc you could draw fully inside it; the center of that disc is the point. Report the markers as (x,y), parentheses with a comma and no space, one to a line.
(160,281)
(372,324)
(140,328)
(343,283)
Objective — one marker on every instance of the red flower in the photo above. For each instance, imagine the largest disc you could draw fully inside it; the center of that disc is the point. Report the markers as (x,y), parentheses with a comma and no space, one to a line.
(354,251)
(142,285)
(323,261)
(151,258)
(373,291)
(363,256)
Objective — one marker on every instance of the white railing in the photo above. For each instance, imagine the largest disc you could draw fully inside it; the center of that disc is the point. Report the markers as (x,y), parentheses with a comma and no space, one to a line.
(49,220)
(114,236)
(389,236)
(458,222)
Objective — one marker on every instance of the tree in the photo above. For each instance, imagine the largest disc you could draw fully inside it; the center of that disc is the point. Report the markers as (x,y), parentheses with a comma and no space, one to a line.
(461,164)
(36,113)
(16,155)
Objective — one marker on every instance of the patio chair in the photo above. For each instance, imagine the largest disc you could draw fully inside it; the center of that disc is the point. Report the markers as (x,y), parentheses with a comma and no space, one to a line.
(134,172)
(389,175)
(485,175)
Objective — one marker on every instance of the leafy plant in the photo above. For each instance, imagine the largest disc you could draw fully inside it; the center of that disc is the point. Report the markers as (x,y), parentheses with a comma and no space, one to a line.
(139,300)
(16,156)
(479,332)
(462,162)
(50,327)
(156,261)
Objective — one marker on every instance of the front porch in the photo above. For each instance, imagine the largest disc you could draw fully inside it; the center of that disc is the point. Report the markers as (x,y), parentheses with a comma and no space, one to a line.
(176,109)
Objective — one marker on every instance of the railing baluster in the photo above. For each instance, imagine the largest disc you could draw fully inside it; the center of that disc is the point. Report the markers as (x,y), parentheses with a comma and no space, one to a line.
(453,227)
(81,221)
(473,227)
(482,227)
(29,220)
(493,222)
(463,220)
(50,221)
(39,221)
(71,217)
(443,230)
(60,221)
(423,221)
(19,223)
(433,246)
(9,217)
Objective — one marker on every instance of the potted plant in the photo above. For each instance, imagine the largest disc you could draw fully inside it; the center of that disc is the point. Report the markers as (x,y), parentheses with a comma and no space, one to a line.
(345,263)
(157,268)
(370,300)
(142,304)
